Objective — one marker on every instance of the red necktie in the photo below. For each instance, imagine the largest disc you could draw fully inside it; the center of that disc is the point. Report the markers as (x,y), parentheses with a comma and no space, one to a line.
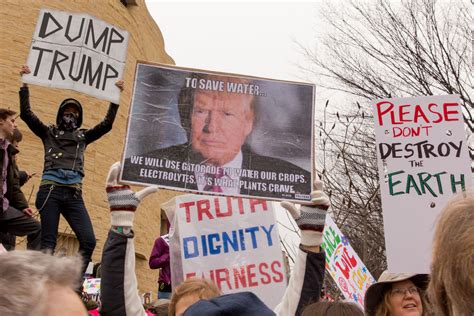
(214,187)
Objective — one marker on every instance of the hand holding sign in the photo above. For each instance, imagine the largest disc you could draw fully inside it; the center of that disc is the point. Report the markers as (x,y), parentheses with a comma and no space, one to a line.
(24,70)
(79,52)
(122,200)
(120,84)
(311,218)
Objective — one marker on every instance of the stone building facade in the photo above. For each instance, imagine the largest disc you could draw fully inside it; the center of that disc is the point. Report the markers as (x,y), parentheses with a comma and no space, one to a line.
(17,24)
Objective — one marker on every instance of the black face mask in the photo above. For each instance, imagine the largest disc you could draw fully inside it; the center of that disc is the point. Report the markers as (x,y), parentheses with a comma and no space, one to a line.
(69,121)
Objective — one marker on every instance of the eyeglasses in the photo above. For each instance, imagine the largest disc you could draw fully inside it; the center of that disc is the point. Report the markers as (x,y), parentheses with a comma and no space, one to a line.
(402,292)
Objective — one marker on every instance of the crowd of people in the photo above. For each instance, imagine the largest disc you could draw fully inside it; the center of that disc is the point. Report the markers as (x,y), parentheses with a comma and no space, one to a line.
(38,283)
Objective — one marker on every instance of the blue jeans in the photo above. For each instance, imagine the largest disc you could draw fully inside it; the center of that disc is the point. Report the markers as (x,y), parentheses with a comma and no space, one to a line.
(164,294)
(51,202)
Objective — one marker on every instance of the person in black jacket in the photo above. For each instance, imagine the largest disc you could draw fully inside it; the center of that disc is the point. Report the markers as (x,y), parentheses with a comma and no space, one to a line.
(15,215)
(25,176)
(60,191)
(6,239)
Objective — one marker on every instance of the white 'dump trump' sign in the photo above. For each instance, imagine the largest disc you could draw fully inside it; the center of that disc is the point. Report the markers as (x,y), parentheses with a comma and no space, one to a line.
(78,52)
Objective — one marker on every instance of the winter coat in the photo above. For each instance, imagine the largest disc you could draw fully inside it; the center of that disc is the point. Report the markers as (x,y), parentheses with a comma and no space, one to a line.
(64,149)
(160,259)
(14,195)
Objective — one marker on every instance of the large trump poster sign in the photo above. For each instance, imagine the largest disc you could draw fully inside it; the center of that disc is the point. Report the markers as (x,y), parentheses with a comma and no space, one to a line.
(234,135)
(231,241)
(422,160)
(78,52)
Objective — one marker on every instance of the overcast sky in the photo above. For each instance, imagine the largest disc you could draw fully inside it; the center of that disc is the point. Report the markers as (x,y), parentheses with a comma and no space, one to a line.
(246,37)
(256,38)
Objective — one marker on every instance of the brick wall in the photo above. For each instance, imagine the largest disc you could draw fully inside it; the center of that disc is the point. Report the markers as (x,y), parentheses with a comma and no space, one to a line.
(17,24)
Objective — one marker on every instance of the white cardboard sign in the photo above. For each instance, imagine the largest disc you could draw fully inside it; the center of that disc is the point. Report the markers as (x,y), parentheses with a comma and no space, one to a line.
(231,241)
(422,160)
(78,52)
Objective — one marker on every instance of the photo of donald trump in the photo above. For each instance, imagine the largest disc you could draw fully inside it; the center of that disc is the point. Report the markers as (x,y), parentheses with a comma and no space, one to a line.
(221,136)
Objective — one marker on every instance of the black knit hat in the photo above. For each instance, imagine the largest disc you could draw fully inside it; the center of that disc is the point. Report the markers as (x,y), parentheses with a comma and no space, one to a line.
(243,303)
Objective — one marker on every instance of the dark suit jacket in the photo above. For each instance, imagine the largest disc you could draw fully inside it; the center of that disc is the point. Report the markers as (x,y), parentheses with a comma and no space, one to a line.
(275,178)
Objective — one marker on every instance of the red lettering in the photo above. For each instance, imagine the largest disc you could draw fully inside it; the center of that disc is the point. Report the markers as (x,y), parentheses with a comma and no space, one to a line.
(187,205)
(440,117)
(419,112)
(415,131)
(447,112)
(241,205)
(190,275)
(402,114)
(426,128)
(218,209)
(350,259)
(348,262)
(265,279)
(397,131)
(240,277)
(219,278)
(255,202)
(416,113)
(410,131)
(278,275)
(203,207)
(251,275)
(345,270)
(381,113)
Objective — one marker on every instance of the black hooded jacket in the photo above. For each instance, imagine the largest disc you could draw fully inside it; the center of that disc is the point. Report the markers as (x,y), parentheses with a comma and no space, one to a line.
(64,149)
(61,108)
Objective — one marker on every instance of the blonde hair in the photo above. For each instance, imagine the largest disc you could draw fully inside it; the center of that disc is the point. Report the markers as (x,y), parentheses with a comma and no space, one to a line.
(204,289)
(25,278)
(384,309)
(452,279)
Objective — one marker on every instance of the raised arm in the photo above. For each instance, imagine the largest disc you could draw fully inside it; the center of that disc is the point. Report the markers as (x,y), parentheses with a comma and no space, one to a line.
(105,126)
(119,294)
(26,114)
(308,273)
